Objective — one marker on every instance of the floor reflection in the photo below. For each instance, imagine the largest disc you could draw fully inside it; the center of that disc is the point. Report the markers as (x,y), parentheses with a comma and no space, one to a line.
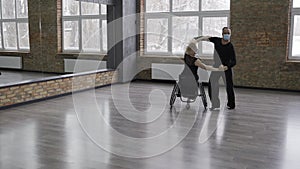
(291,146)
(261,133)
(9,77)
(22,145)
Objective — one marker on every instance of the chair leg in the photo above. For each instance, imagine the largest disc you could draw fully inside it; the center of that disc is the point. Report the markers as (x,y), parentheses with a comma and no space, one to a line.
(203,95)
(174,94)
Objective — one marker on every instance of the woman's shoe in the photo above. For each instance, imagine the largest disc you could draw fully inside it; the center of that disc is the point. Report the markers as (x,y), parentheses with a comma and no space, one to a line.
(214,108)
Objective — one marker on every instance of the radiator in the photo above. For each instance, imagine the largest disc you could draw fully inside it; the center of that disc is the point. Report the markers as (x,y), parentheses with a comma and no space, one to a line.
(81,65)
(161,71)
(14,62)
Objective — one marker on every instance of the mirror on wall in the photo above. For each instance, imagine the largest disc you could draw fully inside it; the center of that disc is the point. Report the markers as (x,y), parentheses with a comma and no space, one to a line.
(39,40)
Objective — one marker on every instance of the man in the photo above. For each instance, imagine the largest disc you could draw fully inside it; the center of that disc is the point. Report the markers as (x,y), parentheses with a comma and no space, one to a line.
(224,55)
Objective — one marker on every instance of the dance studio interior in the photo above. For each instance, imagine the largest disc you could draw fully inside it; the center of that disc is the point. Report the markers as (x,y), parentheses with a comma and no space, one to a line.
(100,84)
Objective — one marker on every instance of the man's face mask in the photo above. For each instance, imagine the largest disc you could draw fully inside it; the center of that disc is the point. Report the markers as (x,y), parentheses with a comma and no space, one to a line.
(226,36)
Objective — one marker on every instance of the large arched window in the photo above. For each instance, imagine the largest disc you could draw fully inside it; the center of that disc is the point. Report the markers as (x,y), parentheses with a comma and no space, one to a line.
(295,31)
(170,24)
(14,35)
(84,26)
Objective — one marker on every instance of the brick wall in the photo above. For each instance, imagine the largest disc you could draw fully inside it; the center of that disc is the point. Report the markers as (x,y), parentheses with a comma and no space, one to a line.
(260,31)
(54,86)
(45,36)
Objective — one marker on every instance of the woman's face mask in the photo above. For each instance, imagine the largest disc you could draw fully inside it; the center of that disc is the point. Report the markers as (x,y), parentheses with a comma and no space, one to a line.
(226,36)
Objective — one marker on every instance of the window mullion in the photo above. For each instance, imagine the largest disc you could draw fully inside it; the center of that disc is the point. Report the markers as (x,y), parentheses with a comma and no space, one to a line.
(80,34)
(292,46)
(200,32)
(2,38)
(291,37)
(170,27)
(80,28)
(100,29)
(17,32)
(170,33)
(101,35)
(16,23)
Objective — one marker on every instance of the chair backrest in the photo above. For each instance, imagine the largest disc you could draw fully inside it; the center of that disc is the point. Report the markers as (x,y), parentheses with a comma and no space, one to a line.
(188,86)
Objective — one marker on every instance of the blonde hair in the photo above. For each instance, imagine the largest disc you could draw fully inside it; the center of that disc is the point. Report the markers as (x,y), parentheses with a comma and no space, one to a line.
(191,48)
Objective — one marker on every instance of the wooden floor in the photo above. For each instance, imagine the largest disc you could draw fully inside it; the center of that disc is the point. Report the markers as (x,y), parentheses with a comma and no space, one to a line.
(98,129)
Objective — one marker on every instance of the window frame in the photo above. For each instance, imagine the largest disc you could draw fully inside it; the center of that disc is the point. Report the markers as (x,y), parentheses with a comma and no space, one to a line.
(294,11)
(16,21)
(169,14)
(79,18)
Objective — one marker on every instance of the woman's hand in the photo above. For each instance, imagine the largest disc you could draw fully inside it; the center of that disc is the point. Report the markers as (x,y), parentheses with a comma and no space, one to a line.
(223,68)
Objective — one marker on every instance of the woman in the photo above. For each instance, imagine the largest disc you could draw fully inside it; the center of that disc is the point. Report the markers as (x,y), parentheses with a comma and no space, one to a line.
(192,63)
(188,79)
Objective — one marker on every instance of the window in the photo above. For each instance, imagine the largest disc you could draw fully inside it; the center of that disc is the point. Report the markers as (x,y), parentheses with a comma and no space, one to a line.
(14,32)
(84,27)
(171,24)
(295,31)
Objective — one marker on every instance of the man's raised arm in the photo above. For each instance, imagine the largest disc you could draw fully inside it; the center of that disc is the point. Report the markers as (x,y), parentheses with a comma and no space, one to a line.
(200,38)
